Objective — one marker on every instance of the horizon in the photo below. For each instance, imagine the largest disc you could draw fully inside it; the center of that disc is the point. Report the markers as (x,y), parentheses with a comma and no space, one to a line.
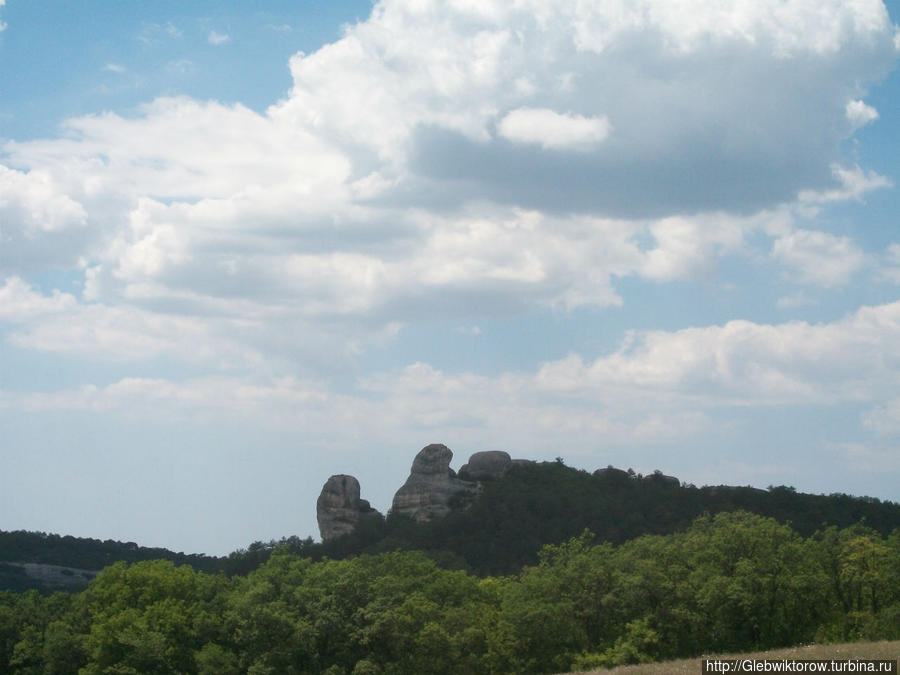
(246,248)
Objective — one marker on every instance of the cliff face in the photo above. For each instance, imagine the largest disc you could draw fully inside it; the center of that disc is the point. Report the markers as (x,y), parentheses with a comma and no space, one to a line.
(431,485)
(339,506)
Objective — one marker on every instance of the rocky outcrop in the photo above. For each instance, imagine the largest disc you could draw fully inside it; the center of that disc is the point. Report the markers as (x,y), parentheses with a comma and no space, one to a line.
(486,465)
(432,486)
(54,577)
(432,490)
(339,507)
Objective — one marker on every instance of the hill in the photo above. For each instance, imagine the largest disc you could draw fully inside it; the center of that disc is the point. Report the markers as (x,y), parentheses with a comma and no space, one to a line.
(503,528)
(48,562)
(499,531)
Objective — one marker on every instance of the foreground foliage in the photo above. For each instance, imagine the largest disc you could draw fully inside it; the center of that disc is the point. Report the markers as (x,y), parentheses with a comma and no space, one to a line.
(837,652)
(732,582)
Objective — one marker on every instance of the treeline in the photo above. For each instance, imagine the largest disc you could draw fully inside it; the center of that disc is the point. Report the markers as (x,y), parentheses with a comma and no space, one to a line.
(502,530)
(90,554)
(731,582)
(548,503)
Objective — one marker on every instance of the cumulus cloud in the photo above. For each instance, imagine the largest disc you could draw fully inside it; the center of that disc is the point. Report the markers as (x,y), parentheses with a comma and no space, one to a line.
(19,303)
(59,323)
(453,160)
(40,223)
(658,386)
(684,136)
(860,114)
(853,183)
(819,258)
(746,362)
(685,247)
(184,149)
(30,202)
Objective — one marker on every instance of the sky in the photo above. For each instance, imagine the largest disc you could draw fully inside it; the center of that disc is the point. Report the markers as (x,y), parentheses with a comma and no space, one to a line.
(246,246)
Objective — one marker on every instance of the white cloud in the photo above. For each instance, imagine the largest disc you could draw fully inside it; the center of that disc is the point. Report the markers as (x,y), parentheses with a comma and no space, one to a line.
(552,130)
(58,323)
(218,39)
(685,247)
(860,114)
(19,303)
(659,386)
(854,183)
(114,68)
(747,363)
(434,83)
(819,258)
(404,176)
(31,203)
(40,224)
(180,148)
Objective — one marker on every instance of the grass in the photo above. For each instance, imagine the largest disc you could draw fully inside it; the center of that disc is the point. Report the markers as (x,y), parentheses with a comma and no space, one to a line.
(854,650)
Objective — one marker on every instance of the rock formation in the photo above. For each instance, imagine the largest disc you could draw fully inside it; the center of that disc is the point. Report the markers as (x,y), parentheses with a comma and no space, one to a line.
(339,507)
(487,465)
(432,490)
(431,485)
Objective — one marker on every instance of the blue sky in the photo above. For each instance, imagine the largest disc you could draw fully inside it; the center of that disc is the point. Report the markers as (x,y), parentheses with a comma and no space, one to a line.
(245,246)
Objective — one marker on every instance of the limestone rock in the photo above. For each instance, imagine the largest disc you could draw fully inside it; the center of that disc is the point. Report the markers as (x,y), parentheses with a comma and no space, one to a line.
(486,465)
(431,485)
(339,507)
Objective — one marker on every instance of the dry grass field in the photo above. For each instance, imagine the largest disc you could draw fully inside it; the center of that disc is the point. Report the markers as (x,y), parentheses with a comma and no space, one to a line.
(856,650)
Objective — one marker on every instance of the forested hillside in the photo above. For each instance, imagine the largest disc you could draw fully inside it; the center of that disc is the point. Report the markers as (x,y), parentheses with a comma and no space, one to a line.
(504,528)
(731,582)
(547,503)
(80,553)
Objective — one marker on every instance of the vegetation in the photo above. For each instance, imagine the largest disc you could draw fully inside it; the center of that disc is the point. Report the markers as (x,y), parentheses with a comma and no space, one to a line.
(548,503)
(732,582)
(839,652)
(501,532)
(90,554)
